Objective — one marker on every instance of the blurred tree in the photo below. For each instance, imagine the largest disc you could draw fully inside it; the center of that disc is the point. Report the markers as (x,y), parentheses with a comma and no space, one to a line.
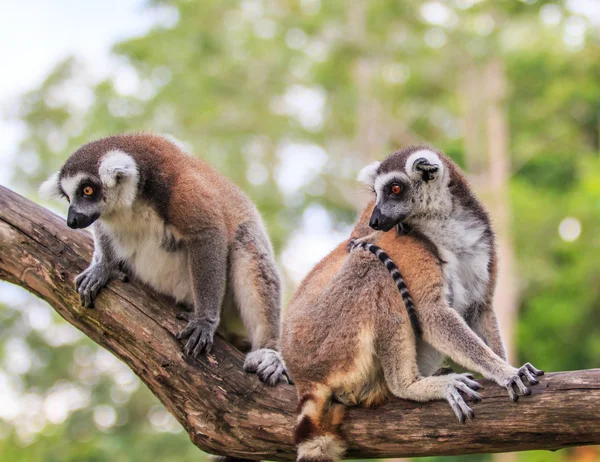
(289,98)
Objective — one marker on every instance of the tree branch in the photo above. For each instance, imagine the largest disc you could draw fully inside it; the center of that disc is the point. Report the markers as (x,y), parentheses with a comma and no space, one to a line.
(226,411)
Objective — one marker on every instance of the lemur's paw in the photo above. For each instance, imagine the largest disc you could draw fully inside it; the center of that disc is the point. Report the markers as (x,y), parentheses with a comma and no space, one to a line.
(353,243)
(527,372)
(89,283)
(200,333)
(464,383)
(268,365)
(428,170)
(356,242)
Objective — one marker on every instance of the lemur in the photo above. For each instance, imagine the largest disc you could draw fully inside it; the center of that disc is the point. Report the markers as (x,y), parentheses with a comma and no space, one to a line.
(349,336)
(177,225)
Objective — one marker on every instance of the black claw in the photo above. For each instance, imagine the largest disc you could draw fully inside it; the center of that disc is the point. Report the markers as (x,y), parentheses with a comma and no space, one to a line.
(539,373)
(476,399)
(526,392)
(287,376)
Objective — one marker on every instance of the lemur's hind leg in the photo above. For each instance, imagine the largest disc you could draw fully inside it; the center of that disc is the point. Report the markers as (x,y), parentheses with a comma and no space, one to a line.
(257,293)
(398,358)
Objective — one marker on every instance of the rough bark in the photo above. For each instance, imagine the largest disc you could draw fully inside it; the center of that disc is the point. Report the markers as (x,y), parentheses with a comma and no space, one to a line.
(226,411)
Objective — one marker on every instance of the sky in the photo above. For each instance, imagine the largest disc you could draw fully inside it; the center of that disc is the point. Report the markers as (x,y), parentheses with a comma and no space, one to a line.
(36,35)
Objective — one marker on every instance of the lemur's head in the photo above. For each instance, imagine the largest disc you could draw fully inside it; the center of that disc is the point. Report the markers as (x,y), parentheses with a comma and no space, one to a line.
(409,182)
(96,179)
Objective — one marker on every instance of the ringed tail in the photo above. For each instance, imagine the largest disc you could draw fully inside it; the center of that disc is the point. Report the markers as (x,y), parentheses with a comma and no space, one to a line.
(398,279)
(317,434)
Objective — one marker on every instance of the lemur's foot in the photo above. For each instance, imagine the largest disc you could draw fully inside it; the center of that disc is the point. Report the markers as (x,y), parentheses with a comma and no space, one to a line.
(268,365)
(527,372)
(428,170)
(200,333)
(457,383)
(89,283)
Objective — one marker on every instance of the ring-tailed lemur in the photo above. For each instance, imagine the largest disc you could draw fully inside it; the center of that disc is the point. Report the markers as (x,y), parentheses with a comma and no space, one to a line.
(183,229)
(347,337)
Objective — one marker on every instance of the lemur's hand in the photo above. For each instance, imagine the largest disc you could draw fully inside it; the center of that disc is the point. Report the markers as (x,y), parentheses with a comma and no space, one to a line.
(89,283)
(527,372)
(200,333)
(427,170)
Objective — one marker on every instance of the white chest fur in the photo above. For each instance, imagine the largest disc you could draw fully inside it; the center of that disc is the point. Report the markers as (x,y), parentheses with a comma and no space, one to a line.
(465,247)
(136,235)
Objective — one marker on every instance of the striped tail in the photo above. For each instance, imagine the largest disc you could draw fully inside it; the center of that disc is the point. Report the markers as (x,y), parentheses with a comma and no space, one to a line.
(398,279)
(317,431)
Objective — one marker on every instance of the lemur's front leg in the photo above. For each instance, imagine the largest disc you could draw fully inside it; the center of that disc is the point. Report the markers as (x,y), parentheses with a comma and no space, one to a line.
(104,267)
(207,254)
(487,327)
(444,329)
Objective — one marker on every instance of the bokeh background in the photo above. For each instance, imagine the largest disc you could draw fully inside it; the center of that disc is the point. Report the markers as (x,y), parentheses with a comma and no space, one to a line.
(290,98)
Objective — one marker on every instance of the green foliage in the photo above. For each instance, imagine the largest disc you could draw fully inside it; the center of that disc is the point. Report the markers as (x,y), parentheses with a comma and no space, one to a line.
(232,79)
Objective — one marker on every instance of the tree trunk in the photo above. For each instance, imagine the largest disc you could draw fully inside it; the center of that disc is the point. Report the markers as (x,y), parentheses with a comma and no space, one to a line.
(505,299)
(226,411)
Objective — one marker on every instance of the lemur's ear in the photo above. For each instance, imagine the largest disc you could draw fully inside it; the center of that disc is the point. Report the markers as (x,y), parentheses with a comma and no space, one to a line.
(117,166)
(425,165)
(50,188)
(368,174)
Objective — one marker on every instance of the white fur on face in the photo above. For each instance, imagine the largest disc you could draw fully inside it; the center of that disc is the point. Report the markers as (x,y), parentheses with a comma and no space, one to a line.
(368,174)
(119,176)
(386,178)
(50,188)
(431,157)
(70,184)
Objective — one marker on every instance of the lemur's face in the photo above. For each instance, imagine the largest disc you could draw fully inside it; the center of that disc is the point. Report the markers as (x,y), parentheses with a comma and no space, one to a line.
(405,184)
(95,183)
(86,200)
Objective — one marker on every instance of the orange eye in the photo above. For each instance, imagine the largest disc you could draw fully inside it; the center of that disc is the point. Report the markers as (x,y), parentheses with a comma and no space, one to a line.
(88,191)
(396,189)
